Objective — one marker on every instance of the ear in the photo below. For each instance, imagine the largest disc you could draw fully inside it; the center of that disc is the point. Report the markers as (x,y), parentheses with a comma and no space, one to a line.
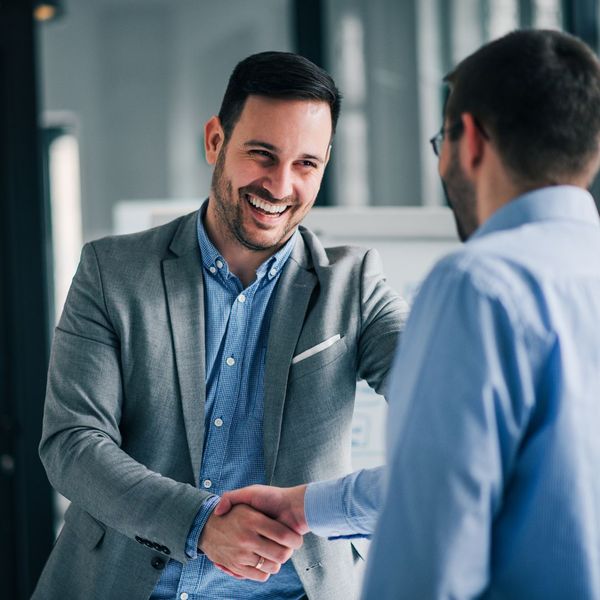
(474,146)
(214,138)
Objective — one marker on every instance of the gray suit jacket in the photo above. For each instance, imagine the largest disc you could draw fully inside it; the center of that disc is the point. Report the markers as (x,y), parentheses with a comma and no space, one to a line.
(124,416)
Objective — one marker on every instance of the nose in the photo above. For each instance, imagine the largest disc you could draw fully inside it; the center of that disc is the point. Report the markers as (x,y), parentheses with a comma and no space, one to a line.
(280,181)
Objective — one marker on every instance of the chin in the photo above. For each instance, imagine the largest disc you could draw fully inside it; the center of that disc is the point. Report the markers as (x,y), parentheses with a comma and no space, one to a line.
(259,243)
(266,239)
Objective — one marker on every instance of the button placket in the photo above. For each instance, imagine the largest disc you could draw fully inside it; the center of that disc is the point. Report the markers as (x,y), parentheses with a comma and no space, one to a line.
(236,317)
(229,378)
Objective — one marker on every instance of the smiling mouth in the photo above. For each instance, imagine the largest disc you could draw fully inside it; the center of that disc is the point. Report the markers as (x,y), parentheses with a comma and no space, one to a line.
(273,210)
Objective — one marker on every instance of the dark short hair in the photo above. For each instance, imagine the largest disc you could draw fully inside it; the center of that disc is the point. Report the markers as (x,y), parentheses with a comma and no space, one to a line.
(277,75)
(537,94)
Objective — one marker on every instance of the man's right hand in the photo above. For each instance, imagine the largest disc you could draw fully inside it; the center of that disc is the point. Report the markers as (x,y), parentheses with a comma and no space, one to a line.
(284,504)
(237,540)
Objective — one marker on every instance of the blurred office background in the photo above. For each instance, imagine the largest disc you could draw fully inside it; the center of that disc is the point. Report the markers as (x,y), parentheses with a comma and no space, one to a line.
(102,107)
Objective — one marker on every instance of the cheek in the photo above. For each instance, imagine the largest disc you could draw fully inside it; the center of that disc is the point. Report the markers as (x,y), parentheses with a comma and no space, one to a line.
(242,173)
(310,188)
(442,162)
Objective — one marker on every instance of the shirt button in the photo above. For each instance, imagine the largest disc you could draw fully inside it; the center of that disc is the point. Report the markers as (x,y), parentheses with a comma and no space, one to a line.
(183,596)
(218,422)
(212,270)
(230,361)
(207,483)
(273,272)
(241,298)
(219,264)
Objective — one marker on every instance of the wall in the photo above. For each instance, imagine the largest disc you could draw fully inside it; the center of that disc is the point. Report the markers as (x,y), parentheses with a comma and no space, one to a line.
(137,79)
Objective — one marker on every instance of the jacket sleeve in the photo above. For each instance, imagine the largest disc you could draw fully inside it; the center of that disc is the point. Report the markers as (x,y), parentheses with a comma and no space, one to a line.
(81,439)
(383,316)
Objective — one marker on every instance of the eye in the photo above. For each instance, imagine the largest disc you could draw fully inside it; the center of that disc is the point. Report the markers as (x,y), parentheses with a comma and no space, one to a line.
(260,153)
(309,164)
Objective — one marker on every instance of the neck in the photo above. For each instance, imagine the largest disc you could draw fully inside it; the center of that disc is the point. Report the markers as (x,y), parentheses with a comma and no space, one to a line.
(495,188)
(242,261)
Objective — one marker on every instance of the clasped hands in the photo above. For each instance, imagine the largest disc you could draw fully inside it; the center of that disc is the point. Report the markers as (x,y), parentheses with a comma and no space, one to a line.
(254,530)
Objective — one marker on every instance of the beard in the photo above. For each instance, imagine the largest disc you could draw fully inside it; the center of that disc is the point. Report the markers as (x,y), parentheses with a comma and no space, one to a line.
(228,212)
(229,209)
(460,195)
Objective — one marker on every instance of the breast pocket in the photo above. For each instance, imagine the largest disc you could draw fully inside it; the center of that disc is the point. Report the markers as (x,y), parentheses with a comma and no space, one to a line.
(318,356)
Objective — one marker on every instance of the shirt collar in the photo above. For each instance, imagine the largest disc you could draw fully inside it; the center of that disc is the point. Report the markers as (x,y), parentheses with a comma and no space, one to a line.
(213,261)
(561,202)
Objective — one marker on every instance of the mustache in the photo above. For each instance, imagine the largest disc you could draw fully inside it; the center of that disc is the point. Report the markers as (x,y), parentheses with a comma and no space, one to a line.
(260,192)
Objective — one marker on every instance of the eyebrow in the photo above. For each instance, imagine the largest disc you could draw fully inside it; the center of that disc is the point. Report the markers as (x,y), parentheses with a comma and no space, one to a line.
(271,148)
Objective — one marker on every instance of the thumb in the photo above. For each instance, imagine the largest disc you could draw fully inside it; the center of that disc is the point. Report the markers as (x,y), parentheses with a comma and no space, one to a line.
(228,499)
(223,506)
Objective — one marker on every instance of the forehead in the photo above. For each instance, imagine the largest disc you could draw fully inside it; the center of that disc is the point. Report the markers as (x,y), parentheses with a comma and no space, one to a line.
(285,122)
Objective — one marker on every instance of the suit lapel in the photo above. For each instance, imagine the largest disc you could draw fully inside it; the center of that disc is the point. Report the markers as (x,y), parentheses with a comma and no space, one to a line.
(185,300)
(292,297)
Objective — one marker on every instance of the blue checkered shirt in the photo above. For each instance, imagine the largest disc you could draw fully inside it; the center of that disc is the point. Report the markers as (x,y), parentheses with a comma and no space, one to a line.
(236,331)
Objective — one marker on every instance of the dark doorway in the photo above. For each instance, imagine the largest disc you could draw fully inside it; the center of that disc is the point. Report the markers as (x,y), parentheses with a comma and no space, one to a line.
(25,497)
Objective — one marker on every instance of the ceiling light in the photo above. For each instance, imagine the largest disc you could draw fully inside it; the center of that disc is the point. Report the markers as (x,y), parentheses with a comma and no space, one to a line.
(47,10)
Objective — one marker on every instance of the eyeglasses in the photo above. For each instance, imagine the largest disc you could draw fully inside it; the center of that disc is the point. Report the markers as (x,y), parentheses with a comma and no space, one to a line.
(438,138)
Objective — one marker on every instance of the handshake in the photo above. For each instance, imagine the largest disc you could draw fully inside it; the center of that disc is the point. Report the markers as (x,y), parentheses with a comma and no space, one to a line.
(254,530)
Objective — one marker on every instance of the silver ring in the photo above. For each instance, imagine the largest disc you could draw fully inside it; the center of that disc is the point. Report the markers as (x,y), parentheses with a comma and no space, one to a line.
(260,563)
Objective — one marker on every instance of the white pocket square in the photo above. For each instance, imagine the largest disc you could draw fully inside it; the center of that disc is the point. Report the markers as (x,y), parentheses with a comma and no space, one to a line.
(316,349)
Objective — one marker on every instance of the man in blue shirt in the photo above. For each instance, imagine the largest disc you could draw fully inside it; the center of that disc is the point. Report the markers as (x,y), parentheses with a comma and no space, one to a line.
(214,352)
(492,487)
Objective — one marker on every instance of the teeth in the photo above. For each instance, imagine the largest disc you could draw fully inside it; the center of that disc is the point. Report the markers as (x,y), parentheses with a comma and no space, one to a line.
(270,208)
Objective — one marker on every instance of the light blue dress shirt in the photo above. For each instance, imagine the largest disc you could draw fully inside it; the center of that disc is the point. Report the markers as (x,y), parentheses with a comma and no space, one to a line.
(236,331)
(346,507)
(493,486)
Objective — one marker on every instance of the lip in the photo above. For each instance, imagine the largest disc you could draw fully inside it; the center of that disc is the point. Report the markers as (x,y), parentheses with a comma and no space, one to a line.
(261,214)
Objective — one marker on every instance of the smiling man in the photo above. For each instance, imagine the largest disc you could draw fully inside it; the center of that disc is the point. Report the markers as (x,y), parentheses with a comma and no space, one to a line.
(214,352)
(266,178)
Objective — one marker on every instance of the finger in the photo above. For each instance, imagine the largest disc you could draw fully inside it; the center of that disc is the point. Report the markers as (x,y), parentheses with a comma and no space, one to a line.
(271,550)
(249,572)
(223,507)
(279,533)
(227,571)
(269,566)
(229,499)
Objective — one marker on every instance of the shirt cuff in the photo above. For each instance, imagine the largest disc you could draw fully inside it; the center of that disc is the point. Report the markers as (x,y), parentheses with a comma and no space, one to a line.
(191,546)
(346,507)
(324,508)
